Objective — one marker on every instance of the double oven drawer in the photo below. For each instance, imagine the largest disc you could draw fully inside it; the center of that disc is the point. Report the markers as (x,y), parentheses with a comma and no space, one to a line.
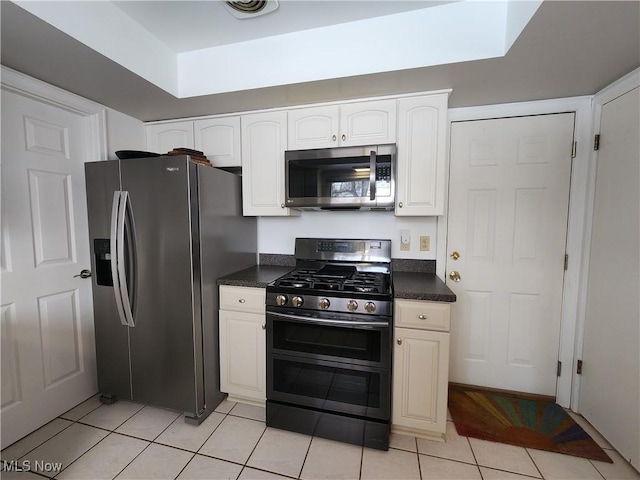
(330,364)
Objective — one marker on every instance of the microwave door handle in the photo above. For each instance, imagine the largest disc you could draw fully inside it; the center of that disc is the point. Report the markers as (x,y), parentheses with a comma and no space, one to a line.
(372,175)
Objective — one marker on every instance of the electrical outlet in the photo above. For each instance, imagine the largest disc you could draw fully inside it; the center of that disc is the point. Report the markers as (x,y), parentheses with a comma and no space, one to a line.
(405,240)
(425,243)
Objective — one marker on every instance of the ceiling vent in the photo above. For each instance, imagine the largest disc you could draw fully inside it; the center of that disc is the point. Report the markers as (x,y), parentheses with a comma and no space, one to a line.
(251,8)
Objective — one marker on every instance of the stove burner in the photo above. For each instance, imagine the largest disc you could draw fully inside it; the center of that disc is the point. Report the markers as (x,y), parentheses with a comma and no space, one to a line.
(325,280)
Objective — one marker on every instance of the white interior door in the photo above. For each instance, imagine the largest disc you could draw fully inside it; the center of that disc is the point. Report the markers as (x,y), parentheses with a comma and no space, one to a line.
(610,383)
(48,350)
(508,208)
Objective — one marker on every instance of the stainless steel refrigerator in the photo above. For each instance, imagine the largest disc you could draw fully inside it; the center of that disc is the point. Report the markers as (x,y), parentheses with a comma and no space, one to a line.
(162,230)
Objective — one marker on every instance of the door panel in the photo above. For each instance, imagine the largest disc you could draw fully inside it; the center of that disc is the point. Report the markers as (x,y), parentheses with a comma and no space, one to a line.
(48,352)
(610,384)
(112,338)
(508,208)
(162,341)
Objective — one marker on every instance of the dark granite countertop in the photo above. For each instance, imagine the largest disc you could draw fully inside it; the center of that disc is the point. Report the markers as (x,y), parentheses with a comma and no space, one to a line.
(258,276)
(421,286)
(415,285)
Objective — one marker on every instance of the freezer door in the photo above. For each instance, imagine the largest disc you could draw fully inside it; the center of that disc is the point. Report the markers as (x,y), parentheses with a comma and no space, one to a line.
(112,339)
(165,302)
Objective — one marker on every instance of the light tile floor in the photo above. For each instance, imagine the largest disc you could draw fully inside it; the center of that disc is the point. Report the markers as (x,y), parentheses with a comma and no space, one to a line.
(131,441)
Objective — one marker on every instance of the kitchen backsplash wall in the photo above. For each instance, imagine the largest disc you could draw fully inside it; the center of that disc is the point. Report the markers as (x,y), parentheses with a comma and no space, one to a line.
(278,234)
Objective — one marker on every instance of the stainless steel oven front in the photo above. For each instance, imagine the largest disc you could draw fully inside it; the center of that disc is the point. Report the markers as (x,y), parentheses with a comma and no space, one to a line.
(333,364)
(341,178)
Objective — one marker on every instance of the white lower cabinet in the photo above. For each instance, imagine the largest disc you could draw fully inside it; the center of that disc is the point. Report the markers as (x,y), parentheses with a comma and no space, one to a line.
(420,368)
(243,344)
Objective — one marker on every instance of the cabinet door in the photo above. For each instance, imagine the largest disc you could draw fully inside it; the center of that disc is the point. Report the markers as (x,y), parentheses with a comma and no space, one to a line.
(368,123)
(164,137)
(420,378)
(219,139)
(421,154)
(313,127)
(243,355)
(264,140)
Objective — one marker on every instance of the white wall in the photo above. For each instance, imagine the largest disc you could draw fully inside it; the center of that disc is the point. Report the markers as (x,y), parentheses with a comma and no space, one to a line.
(277,234)
(124,133)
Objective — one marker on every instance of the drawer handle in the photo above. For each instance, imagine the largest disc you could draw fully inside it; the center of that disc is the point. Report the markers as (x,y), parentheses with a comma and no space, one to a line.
(422,317)
(241,300)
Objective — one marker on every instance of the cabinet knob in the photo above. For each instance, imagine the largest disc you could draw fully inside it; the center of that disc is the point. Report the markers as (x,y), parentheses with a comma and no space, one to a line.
(400,205)
(241,300)
(422,317)
(264,327)
(455,276)
(282,205)
(399,341)
(344,137)
(454,255)
(334,138)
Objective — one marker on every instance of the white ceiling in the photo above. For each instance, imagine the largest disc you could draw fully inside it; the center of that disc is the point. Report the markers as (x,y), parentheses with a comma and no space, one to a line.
(568,48)
(299,41)
(192,25)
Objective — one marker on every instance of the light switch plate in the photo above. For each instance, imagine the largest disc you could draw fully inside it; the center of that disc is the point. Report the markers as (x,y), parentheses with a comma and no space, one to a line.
(405,240)
(425,243)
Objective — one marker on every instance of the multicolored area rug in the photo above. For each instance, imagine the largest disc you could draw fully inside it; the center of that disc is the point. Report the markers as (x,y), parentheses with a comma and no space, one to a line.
(519,420)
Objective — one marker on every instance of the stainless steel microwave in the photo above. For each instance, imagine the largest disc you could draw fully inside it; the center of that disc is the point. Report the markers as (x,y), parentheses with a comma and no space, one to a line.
(344,178)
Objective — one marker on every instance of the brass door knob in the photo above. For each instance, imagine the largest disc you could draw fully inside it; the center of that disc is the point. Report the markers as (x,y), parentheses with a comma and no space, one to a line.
(455,276)
(454,255)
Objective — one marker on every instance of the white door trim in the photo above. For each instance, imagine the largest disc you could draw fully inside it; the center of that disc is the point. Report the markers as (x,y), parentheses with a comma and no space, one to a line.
(96,134)
(580,174)
(604,96)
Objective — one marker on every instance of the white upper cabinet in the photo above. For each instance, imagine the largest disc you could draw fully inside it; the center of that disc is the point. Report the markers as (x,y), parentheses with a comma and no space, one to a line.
(164,137)
(421,156)
(264,140)
(218,138)
(361,123)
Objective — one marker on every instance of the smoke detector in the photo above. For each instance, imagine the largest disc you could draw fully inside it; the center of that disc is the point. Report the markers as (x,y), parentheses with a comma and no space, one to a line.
(243,9)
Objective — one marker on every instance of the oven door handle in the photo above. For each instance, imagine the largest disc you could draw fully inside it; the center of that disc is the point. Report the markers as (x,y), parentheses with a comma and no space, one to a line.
(328,321)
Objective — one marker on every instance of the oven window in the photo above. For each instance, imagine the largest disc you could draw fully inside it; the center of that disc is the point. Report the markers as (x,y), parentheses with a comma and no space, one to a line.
(321,382)
(342,342)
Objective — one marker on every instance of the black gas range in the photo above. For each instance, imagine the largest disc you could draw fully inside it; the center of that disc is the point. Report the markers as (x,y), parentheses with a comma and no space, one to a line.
(329,342)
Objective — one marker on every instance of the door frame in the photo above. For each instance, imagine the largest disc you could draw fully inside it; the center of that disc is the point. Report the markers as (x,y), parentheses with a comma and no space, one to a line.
(95,114)
(581,172)
(604,96)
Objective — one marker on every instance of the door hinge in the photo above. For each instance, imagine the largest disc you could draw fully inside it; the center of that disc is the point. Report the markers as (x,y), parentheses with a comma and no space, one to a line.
(579,368)
(574,149)
(566,261)
(596,142)
(559,369)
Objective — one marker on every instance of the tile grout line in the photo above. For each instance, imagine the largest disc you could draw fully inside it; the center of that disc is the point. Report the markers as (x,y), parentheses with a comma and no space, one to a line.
(415,439)
(534,462)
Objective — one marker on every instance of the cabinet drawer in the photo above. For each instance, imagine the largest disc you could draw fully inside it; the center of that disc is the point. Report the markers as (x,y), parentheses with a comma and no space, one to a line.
(422,315)
(242,299)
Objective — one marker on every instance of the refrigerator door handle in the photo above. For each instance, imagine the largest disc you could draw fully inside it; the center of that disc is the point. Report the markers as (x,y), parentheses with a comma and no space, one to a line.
(120,254)
(115,255)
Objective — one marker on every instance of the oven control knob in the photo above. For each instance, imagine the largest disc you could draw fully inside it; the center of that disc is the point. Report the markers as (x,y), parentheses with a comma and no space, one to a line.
(324,303)
(297,301)
(281,300)
(370,307)
(352,305)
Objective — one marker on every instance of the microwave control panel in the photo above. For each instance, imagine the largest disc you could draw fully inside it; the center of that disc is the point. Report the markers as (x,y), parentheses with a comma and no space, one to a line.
(383,172)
